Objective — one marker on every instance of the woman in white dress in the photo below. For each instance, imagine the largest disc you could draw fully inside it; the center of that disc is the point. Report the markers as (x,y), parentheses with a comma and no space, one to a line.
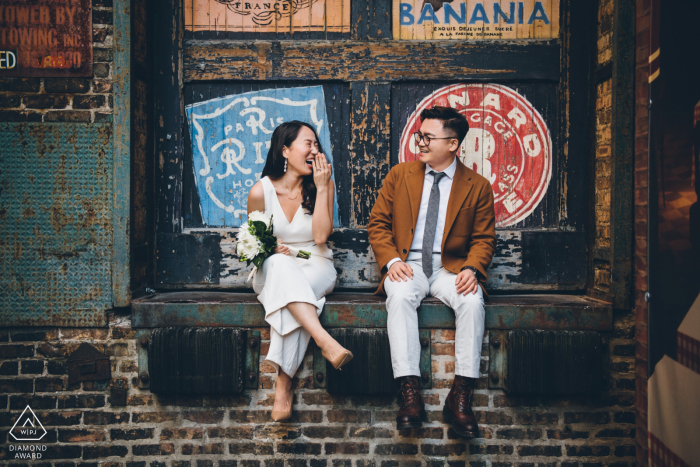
(296,188)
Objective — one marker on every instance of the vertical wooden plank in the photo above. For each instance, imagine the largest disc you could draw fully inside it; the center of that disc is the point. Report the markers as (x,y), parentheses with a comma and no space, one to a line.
(188,12)
(317,16)
(577,97)
(555,18)
(396,30)
(525,31)
(168,114)
(217,19)
(201,19)
(360,13)
(379,19)
(510,27)
(337,98)
(622,148)
(369,146)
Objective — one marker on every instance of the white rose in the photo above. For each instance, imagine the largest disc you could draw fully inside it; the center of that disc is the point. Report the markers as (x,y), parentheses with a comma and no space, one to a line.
(259,216)
(248,244)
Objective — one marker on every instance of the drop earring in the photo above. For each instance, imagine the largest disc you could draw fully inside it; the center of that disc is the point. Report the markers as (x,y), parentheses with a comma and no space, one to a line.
(285,165)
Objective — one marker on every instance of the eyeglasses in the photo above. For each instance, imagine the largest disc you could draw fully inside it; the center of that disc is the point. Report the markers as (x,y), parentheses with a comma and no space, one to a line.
(417,136)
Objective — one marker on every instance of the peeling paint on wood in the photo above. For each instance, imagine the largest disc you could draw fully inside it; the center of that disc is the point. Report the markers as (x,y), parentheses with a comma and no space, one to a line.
(370,61)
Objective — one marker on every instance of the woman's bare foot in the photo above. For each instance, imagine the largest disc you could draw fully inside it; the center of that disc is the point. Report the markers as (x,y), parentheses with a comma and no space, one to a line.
(284,393)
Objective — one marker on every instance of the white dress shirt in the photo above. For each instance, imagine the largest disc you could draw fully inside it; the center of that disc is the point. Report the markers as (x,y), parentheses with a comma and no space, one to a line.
(445,186)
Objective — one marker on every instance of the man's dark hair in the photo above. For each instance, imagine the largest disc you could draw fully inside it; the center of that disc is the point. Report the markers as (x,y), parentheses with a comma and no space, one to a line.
(452,121)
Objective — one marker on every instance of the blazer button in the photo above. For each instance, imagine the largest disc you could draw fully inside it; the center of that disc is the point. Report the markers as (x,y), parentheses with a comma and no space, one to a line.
(404,251)
(411,230)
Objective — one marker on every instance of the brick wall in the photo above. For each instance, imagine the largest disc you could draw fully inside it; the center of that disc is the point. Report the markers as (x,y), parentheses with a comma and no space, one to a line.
(601,262)
(67,99)
(85,429)
(641,164)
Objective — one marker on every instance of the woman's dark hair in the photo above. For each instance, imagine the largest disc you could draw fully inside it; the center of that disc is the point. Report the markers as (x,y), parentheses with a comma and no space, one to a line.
(284,135)
(452,121)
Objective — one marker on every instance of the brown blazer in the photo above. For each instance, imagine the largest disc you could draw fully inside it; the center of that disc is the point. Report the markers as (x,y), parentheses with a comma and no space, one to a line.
(469,237)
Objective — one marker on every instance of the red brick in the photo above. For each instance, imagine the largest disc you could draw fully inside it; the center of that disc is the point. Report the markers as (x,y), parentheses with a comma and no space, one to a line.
(349,416)
(242,432)
(81,436)
(139,399)
(181,433)
(423,433)
(206,417)
(317,432)
(322,398)
(202,449)
(347,448)
(153,417)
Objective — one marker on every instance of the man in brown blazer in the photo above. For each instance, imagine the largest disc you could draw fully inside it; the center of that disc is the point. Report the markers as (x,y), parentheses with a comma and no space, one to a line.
(432,231)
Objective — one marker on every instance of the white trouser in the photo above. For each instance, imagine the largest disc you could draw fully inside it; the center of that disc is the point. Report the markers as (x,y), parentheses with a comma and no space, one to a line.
(403,299)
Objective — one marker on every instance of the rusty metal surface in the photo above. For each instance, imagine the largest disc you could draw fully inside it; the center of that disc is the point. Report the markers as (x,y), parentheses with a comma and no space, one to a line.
(56,182)
(572,312)
(122,152)
(370,61)
(87,364)
(48,38)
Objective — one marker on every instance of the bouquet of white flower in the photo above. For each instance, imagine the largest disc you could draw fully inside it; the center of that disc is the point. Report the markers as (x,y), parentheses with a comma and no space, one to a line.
(256,241)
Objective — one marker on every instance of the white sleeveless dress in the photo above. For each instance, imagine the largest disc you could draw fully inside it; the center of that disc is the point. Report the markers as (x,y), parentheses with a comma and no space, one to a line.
(284,279)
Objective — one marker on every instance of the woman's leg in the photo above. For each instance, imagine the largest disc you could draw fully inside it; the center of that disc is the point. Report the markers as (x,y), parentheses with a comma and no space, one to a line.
(284,392)
(307,316)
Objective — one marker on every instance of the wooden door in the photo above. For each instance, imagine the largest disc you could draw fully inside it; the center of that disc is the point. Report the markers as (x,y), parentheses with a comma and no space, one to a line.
(517,70)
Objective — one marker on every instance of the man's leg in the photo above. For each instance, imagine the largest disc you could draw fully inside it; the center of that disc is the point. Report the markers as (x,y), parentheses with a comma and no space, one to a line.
(403,299)
(402,302)
(469,335)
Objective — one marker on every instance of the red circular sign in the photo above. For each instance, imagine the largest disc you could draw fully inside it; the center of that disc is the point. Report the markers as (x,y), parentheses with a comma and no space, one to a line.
(508,143)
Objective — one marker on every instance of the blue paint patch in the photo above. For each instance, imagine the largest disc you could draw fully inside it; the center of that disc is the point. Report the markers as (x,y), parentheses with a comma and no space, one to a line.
(230,140)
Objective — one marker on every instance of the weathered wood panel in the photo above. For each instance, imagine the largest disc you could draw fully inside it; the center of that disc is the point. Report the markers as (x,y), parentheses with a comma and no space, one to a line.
(371,19)
(370,61)
(369,147)
(372,84)
(357,268)
(167,100)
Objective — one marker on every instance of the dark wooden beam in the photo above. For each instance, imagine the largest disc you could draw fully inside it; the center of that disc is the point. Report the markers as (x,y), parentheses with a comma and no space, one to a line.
(371,61)
(167,97)
(622,151)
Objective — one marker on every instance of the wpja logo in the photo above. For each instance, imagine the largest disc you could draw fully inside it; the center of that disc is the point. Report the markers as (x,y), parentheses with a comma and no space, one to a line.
(28,428)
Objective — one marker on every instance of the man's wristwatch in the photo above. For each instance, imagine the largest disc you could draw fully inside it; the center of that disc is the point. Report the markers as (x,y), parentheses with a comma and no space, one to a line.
(473,269)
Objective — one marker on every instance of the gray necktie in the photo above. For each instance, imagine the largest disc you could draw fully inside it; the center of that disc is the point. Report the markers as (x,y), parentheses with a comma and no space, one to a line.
(431,219)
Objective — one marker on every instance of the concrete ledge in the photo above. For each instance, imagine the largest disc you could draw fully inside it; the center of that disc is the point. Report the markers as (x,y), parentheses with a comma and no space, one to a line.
(570,312)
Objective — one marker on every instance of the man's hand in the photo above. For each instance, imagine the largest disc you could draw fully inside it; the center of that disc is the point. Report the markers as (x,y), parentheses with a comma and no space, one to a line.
(466,282)
(400,271)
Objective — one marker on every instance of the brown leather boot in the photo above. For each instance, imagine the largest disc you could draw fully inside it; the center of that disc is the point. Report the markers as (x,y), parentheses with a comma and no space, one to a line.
(412,411)
(458,407)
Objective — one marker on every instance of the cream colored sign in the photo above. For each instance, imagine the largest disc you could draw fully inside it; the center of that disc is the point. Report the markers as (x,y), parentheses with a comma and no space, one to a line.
(267,16)
(469,19)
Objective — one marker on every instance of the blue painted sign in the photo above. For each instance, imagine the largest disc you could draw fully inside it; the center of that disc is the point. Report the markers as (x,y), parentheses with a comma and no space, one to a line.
(230,140)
